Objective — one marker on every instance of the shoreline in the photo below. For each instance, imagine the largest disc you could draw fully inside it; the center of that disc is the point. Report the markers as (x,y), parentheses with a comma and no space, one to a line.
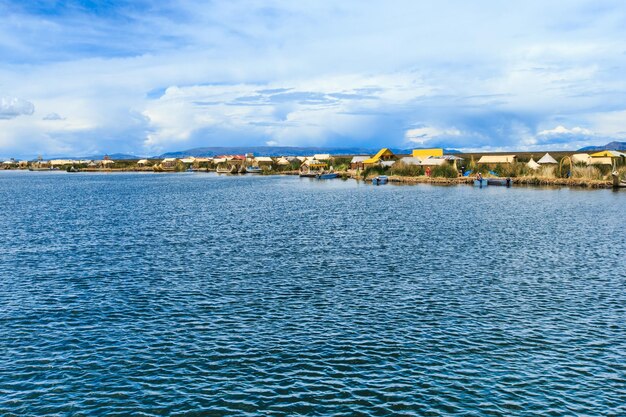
(524,181)
(533,181)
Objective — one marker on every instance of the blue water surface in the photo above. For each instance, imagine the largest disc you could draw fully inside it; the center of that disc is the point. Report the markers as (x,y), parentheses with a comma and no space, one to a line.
(197,294)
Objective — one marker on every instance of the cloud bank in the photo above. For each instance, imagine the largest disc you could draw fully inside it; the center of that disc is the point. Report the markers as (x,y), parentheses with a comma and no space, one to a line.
(145,77)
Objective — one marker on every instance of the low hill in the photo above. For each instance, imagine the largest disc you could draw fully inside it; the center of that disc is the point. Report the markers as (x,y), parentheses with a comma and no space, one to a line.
(114,156)
(611,146)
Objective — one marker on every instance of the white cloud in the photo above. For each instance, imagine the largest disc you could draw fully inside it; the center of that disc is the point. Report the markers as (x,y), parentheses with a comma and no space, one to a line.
(422,135)
(53,116)
(353,73)
(11,107)
(562,130)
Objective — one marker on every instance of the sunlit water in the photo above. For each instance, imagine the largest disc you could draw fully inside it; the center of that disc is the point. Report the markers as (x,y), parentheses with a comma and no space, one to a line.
(176,294)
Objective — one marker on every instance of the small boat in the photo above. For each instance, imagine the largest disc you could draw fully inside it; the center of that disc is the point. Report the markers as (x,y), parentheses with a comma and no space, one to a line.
(254,170)
(506,182)
(327,176)
(380,180)
(617,183)
(481,183)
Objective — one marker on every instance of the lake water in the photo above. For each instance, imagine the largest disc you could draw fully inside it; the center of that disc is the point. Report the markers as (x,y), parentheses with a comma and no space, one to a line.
(197,294)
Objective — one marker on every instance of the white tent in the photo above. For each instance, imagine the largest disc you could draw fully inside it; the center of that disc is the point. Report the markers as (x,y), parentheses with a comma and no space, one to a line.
(547,159)
(532,164)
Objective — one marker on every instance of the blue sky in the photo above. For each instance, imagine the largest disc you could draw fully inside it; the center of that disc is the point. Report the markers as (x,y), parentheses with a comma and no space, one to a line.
(83,77)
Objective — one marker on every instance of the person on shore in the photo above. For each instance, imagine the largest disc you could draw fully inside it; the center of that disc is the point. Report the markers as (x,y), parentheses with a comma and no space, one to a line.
(479,177)
(428,171)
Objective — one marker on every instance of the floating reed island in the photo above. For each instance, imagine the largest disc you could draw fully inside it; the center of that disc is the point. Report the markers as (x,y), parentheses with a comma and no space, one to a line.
(603,169)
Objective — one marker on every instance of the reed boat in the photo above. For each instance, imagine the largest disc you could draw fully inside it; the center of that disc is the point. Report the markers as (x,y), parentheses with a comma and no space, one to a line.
(226,170)
(506,182)
(43,169)
(617,183)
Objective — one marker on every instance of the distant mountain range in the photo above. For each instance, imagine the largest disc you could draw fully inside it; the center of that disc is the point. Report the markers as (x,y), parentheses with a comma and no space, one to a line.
(611,146)
(279,151)
(114,156)
(256,150)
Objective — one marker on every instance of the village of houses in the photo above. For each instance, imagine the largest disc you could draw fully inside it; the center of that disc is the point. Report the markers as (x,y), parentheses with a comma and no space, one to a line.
(421,165)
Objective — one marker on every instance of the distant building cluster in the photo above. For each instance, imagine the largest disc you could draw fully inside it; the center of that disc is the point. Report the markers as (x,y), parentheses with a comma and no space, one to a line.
(427,159)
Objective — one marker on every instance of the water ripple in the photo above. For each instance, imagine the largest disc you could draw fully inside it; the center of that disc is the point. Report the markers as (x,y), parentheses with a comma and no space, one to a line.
(203,295)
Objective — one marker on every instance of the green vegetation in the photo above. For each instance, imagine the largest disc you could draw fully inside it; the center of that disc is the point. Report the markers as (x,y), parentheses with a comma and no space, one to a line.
(374,170)
(517,169)
(405,170)
(444,171)
(340,163)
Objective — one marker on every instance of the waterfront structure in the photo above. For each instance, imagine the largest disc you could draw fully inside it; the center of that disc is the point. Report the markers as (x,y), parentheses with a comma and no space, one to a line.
(384,155)
(497,159)
(106,163)
(434,162)
(607,158)
(547,159)
(282,161)
(9,163)
(188,160)
(427,153)
(142,162)
(263,161)
(581,158)
(441,160)
(410,160)
(357,161)
(311,166)
(236,160)
(59,162)
(322,157)
(169,163)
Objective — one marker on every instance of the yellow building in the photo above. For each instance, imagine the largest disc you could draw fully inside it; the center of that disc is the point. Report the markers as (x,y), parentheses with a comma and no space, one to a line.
(606,158)
(383,155)
(427,153)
